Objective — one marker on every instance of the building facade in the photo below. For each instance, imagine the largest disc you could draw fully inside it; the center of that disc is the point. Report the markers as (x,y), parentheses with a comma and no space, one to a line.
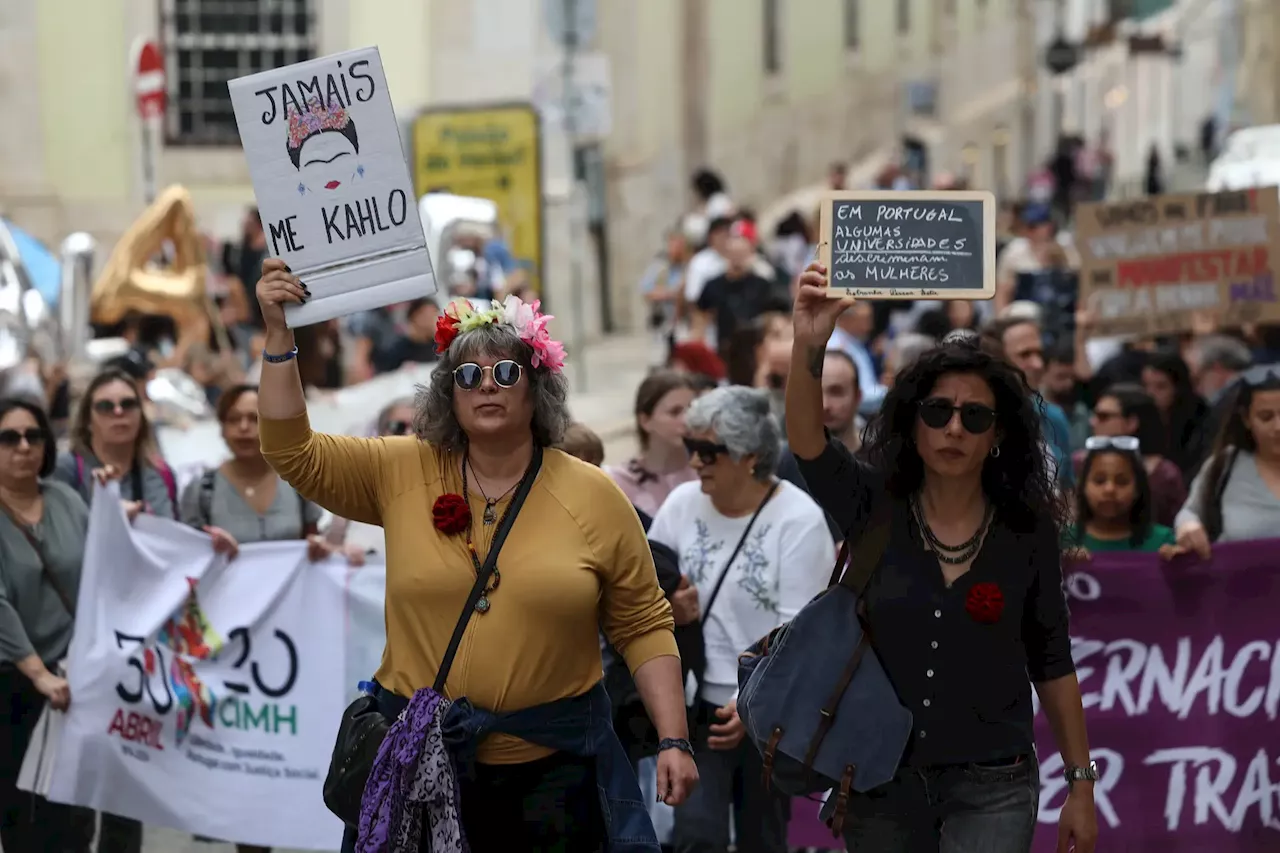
(767,92)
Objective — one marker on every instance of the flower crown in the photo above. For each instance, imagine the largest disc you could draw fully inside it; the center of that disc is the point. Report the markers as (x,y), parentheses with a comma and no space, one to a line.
(529,323)
(317,117)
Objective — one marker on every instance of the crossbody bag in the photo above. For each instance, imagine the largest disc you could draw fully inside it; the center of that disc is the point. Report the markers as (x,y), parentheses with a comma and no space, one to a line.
(363,727)
(693,642)
(45,569)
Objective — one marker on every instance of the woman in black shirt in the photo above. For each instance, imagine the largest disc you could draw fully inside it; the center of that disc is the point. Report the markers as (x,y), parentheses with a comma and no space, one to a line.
(957,450)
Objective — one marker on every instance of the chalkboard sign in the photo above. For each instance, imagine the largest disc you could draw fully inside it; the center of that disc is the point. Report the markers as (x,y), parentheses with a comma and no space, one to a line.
(909,245)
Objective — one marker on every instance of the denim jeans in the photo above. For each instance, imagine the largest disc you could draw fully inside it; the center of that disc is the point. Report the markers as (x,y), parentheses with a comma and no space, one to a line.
(730,783)
(971,808)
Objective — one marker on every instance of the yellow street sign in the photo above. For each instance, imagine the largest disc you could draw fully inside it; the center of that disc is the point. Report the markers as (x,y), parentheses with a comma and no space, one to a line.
(492,152)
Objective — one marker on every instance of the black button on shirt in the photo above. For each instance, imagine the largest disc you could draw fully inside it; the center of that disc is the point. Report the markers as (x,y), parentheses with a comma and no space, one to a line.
(965,682)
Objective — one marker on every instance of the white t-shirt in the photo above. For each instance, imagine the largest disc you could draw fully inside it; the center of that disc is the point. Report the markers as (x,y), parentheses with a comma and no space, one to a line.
(786,561)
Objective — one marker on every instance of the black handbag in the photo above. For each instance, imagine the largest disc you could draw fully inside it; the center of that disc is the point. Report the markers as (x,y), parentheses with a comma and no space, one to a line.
(689,637)
(363,726)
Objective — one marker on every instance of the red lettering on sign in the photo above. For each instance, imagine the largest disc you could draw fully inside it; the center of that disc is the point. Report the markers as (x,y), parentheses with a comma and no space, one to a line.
(1238,264)
(137,728)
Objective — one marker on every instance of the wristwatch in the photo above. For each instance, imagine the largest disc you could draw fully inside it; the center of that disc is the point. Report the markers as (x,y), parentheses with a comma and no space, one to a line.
(1088,773)
(675,743)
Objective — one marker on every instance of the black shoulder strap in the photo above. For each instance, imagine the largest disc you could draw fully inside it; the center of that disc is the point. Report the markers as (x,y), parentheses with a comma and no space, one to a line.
(855,566)
(490,562)
(724,573)
(135,477)
(206,495)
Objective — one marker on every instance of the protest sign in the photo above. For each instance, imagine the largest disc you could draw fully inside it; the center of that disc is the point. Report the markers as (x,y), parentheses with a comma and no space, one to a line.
(909,245)
(1179,666)
(1148,266)
(207,694)
(332,184)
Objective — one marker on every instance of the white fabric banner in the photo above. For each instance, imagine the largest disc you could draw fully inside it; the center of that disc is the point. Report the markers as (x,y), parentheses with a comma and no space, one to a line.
(206,695)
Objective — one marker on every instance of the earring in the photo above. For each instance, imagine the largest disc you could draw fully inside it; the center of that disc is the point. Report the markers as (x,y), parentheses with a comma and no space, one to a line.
(995,452)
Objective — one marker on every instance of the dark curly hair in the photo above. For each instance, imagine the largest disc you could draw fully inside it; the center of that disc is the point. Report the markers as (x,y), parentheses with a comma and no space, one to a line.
(1233,436)
(1018,481)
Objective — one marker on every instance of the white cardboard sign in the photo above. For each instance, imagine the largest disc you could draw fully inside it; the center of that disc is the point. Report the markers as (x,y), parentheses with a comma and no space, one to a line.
(332,184)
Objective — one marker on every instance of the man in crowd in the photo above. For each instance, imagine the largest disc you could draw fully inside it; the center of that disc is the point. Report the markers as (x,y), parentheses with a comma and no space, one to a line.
(841,399)
(733,299)
(1215,363)
(1019,338)
(852,337)
(1059,387)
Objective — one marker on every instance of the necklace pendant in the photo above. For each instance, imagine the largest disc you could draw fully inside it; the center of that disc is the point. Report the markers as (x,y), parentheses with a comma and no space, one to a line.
(482,604)
(489,515)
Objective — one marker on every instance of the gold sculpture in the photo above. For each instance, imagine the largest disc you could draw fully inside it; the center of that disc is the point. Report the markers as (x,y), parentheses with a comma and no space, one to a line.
(131,283)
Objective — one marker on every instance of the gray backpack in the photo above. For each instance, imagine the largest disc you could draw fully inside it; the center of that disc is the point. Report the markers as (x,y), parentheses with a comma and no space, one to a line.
(814,697)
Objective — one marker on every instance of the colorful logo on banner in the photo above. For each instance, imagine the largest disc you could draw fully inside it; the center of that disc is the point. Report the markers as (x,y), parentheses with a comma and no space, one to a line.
(1179,667)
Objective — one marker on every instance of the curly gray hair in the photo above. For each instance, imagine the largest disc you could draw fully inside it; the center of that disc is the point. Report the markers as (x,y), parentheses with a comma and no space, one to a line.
(743,421)
(434,420)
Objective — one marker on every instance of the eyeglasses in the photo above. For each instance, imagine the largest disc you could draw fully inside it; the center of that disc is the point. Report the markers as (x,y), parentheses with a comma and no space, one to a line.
(397,428)
(1263,374)
(469,376)
(936,413)
(706,451)
(13,437)
(110,407)
(1124,443)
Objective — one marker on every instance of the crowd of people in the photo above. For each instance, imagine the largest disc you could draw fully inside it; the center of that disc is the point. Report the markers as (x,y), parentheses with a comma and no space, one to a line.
(999,439)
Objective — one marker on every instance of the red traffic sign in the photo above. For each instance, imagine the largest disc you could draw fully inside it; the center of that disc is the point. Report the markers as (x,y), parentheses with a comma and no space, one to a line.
(148,80)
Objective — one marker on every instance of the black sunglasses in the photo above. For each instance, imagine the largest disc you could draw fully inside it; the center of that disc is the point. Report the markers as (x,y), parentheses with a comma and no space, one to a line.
(397,428)
(1263,374)
(976,418)
(109,407)
(14,437)
(706,451)
(469,376)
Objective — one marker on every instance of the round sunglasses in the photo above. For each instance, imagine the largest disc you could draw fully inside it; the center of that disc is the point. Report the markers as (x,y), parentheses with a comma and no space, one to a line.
(936,413)
(469,375)
(13,437)
(110,407)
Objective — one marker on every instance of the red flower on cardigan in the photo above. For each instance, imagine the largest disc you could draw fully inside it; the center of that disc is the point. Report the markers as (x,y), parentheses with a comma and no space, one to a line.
(985,603)
(451,514)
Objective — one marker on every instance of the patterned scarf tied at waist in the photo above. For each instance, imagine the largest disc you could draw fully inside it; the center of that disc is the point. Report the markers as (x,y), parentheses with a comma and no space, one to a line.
(413,786)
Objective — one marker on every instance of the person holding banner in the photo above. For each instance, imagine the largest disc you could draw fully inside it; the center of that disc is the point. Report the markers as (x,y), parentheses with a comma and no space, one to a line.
(43,524)
(956,451)
(524,625)
(1235,495)
(1114,504)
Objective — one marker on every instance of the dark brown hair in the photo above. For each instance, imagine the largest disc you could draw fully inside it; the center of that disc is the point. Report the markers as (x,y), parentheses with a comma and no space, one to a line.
(228,398)
(650,393)
(50,458)
(582,442)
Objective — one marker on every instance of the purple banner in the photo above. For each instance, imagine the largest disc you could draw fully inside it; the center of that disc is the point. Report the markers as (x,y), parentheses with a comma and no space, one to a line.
(1179,664)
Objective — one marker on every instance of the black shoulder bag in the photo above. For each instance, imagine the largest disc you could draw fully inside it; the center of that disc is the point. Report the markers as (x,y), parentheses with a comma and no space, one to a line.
(363,726)
(689,637)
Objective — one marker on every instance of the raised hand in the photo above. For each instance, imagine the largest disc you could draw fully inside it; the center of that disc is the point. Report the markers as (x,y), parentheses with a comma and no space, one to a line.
(815,312)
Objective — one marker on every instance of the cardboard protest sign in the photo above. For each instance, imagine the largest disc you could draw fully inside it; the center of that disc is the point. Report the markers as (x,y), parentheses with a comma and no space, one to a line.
(1148,266)
(332,184)
(909,245)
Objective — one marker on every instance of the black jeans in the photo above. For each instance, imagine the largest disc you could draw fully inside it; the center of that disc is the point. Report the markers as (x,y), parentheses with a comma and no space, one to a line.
(551,805)
(28,822)
(970,808)
(729,780)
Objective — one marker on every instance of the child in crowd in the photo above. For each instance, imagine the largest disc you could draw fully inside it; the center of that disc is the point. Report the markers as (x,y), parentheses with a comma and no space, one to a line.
(1113,510)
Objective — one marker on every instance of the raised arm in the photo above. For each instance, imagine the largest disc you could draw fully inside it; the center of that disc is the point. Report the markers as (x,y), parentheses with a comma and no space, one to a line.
(344,475)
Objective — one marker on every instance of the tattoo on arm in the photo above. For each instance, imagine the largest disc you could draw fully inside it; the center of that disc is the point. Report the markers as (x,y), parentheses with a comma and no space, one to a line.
(816,356)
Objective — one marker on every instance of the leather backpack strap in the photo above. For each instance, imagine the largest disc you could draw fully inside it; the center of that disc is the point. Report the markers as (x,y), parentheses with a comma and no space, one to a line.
(486,570)
(865,556)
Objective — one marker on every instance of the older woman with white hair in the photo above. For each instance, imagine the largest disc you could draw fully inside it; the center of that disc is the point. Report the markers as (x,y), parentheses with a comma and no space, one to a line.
(757,550)
(492,663)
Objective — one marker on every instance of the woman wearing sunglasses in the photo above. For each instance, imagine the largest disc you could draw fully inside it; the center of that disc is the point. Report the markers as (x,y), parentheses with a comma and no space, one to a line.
(110,430)
(1114,502)
(1236,495)
(755,550)
(967,601)
(43,527)
(576,561)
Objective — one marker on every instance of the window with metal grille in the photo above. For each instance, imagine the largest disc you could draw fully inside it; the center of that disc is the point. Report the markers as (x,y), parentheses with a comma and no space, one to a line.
(208,42)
